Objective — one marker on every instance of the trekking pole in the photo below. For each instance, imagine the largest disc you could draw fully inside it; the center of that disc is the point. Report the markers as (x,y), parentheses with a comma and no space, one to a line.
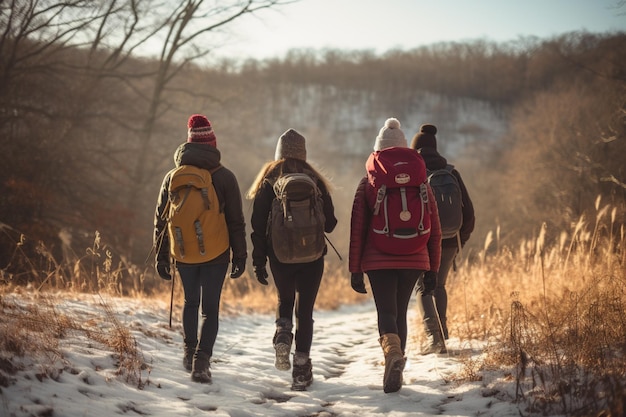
(154,248)
(458,246)
(454,267)
(333,246)
(443,337)
(172,294)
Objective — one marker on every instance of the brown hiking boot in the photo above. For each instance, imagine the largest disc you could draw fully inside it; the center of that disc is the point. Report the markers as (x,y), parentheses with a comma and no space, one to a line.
(394,362)
(434,344)
(302,373)
(200,370)
(282,346)
(283,338)
(188,357)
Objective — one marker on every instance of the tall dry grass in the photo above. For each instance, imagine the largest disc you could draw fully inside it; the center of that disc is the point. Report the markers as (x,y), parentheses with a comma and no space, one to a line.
(552,310)
(98,269)
(554,314)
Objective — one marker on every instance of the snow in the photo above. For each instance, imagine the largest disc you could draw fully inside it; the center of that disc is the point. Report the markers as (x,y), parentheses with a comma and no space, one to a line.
(347,369)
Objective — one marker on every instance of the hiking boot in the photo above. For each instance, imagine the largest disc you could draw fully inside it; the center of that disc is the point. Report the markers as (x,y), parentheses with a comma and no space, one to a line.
(434,344)
(282,344)
(394,362)
(188,357)
(200,369)
(302,373)
(188,361)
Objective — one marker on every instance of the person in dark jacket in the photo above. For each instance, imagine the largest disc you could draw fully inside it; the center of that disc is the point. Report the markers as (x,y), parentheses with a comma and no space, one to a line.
(392,277)
(434,304)
(202,282)
(297,284)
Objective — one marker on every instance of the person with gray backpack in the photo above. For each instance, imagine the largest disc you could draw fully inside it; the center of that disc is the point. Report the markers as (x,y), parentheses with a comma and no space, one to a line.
(292,211)
(456,215)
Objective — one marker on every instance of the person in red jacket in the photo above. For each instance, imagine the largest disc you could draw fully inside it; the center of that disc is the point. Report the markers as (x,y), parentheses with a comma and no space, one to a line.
(392,277)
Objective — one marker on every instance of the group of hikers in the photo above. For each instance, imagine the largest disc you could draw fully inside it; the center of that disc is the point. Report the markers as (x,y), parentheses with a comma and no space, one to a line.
(405,233)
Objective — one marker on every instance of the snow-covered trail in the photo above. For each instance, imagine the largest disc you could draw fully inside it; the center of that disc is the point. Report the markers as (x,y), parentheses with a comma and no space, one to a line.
(347,369)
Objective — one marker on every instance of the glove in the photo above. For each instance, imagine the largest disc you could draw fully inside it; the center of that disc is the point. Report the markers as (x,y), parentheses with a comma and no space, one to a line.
(430,281)
(261,274)
(163,269)
(357,282)
(239,265)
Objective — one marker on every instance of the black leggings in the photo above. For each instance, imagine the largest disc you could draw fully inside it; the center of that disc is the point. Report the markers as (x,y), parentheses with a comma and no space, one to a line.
(202,284)
(436,303)
(297,286)
(392,290)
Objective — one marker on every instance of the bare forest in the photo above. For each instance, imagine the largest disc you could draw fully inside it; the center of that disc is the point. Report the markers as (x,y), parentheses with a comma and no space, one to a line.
(536,126)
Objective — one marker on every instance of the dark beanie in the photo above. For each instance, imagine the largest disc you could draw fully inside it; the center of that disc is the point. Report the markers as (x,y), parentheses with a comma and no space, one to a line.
(425,138)
(291,144)
(199,130)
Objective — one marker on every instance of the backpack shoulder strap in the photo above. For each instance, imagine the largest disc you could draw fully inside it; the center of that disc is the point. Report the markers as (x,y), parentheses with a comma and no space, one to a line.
(270,180)
(312,175)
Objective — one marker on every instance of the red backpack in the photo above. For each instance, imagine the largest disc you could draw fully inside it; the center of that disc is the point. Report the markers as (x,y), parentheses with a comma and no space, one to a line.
(399,195)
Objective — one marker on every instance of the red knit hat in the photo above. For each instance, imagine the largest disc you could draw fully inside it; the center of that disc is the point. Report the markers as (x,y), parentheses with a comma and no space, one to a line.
(200,130)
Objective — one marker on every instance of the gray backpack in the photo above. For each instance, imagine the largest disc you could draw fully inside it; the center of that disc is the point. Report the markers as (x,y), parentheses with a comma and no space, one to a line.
(447,192)
(296,228)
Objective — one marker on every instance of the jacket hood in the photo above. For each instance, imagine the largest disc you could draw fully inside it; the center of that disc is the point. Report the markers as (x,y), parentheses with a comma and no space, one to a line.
(197,154)
(433,159)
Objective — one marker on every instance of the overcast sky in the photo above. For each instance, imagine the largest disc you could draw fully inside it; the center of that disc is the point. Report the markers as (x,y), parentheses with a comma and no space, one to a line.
(383,25)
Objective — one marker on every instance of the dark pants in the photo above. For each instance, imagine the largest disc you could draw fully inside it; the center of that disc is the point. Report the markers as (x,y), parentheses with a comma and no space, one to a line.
(431,308)
(204,283)
(392,290)
(297,286)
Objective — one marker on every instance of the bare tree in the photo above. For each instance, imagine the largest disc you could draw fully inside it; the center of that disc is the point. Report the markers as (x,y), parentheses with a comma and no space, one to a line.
(63,66)
(186,40)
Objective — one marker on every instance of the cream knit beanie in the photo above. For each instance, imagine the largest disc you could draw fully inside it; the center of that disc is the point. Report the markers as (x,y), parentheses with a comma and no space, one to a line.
(390,135)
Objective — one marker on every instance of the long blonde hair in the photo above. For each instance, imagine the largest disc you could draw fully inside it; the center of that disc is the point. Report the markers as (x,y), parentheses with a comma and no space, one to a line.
(274,169)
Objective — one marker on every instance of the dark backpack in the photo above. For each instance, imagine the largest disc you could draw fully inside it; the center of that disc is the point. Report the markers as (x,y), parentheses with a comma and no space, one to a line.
(296,227)
(400,222)
(449,200)
(196,226)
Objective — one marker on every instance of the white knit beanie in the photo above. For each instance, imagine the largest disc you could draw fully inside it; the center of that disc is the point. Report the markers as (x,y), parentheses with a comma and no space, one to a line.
(390,135)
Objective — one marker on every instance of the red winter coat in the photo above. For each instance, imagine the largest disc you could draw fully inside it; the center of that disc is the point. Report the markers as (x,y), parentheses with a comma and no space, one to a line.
(364,257)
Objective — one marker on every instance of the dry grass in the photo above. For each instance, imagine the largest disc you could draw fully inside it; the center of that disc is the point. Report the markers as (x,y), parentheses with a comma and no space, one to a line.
(246,295)
(552,312)
(99,269)
(33,327)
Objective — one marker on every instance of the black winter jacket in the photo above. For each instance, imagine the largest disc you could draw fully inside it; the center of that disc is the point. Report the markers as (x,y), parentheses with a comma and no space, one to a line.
(226,186)
(262,207)
(435,161)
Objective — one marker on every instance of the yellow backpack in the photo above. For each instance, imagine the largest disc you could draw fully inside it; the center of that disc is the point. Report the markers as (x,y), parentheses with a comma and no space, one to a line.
(196,224)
